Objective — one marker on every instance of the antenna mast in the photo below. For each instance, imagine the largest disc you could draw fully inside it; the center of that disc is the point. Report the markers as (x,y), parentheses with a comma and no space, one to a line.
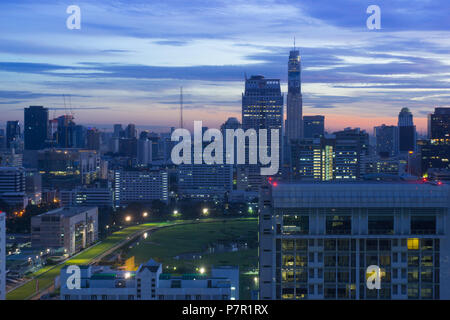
(181,107)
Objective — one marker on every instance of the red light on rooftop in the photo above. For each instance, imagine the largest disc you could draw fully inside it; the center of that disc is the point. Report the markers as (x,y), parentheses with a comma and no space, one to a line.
(275,184)
(439,183)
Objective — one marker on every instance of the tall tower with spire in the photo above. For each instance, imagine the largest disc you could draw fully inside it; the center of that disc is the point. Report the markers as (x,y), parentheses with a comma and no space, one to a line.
(294,123)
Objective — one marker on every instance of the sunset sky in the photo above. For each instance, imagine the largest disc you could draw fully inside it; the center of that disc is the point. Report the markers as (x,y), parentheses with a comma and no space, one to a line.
(130,57)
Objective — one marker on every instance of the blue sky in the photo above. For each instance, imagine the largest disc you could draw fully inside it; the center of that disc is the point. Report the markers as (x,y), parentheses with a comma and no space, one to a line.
(129,59)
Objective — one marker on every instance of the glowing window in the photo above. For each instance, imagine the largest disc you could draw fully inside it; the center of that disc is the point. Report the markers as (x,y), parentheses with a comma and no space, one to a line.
(413,244)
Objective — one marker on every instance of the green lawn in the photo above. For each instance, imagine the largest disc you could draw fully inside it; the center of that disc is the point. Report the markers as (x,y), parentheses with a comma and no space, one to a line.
(164,244)
(47,274)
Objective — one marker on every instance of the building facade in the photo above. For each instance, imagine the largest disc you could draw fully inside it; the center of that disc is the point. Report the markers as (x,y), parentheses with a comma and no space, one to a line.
(12,187)
(386,140)
(140,186)
(2,256)
(317,240)
(313,126)
(73,229)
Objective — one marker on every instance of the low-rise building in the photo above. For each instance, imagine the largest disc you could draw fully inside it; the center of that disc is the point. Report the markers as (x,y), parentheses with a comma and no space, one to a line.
(150,283)
(70,228)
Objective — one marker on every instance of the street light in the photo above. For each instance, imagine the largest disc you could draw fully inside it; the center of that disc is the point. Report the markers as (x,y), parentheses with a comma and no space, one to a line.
(205,211)
(145,214)
(128,218)
(202,270)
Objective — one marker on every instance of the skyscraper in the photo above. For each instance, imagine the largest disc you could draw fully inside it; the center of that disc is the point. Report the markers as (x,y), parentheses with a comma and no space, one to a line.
(36,127)
(387,140)
(313,126)
(406,131)
(12,133)
(294,124)
(262,104)
(439,125)
(351,154)
(262,108)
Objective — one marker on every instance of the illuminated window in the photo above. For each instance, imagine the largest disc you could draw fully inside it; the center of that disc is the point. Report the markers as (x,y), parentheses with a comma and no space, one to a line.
(413,244)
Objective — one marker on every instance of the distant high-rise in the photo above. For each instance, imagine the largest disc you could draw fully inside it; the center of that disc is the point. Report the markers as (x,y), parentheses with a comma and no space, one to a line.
(93,139)
(313,126)
(262,104)
(439,125)
(262,108)
(406,131)
(66,131)
(351,154)
(118,131)
(294,124)
(36,127)
(12,133)
(387,140)
(130,131)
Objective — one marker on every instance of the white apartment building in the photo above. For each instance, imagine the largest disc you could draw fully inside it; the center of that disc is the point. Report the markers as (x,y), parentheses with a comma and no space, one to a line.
(317,240)
(149,283)
(2,255)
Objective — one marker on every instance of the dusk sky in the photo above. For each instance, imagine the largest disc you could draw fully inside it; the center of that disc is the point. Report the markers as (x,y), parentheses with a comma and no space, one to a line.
(130,57)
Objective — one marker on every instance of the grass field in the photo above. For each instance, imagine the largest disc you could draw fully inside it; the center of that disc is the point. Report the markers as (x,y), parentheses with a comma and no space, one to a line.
(164,244)
(47,274)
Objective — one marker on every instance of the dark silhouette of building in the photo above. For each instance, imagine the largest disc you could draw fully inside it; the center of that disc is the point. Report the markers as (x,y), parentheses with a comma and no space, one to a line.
(313,126)
(36,127)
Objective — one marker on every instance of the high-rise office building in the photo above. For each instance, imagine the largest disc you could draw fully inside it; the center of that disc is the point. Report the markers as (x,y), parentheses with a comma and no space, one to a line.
(294,124)
(386,140)
(351,154)
(12,134)
(313,126)
(36,127)
(262,108)
(262,104)
(2,256)
(317,240)
(130,131)
(93,139)
(435,152)
(66,131)
(406,131)
(118,131)
(439,125)
(312,159)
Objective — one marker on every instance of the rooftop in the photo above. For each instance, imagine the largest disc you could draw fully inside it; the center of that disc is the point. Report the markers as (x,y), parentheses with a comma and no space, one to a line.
(68,212)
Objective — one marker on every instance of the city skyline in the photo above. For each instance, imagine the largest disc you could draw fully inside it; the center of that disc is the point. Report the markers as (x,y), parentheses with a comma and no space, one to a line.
(354,76)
